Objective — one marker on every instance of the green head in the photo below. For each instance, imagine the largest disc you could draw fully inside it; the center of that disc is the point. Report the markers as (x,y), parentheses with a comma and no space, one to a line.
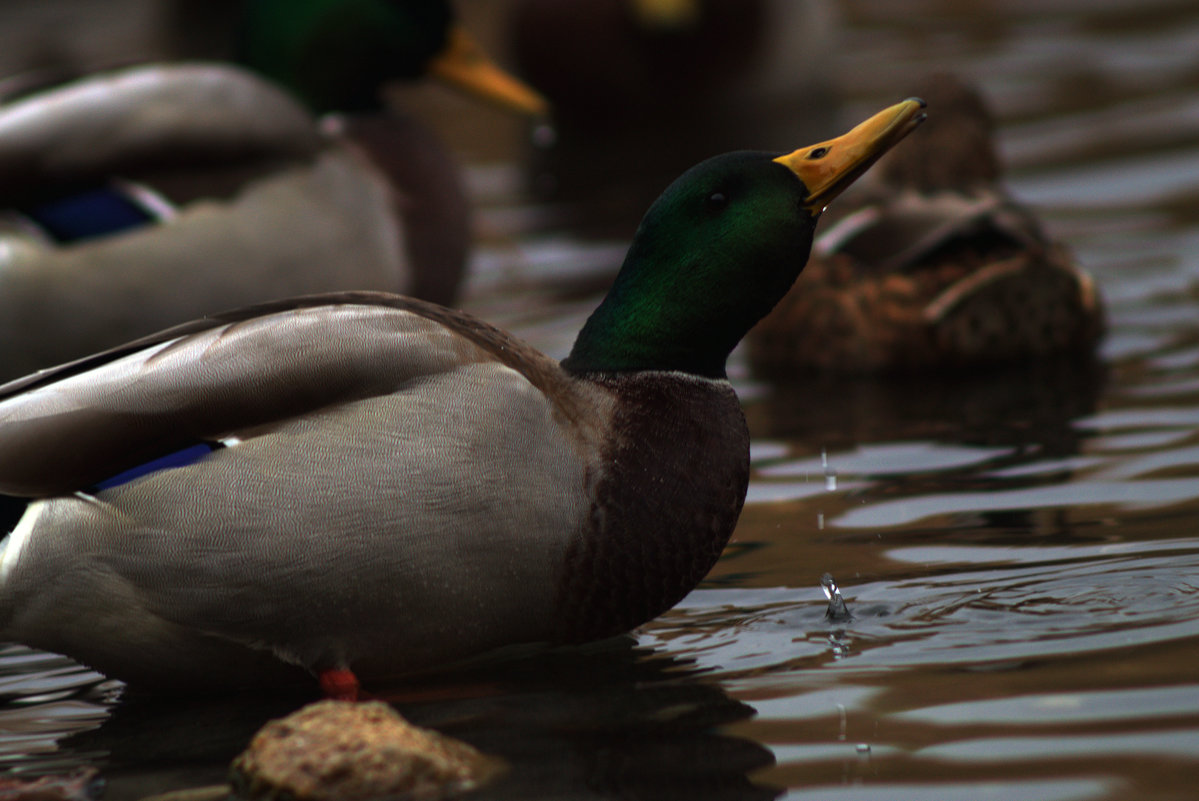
(337,55)
(720,248)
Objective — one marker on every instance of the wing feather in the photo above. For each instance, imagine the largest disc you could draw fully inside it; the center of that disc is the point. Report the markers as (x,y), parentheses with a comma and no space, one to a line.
(69,427)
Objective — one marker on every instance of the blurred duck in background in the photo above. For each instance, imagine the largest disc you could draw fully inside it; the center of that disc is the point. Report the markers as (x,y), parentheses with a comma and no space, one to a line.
(938,267)
(145,196)
(641,89)
(69,38)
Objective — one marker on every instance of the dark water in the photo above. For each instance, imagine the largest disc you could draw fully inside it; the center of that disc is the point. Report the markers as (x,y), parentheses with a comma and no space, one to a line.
(1020,551)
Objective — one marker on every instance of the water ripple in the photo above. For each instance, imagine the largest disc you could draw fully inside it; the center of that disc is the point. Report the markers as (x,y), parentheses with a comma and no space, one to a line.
(1123,495)
(977,605)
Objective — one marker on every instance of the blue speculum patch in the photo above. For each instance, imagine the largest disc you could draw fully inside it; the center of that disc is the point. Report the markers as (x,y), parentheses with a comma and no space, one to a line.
(179,458)
(89,214)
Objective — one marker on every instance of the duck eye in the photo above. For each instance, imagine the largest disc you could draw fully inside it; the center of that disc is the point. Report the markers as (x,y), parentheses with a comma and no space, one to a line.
(818,153)
(717,201)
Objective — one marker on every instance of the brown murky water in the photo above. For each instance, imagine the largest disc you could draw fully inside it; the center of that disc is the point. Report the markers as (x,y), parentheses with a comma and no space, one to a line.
(1020,551)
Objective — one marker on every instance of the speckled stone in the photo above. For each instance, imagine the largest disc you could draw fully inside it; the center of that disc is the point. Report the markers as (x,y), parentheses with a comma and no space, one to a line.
(346,750)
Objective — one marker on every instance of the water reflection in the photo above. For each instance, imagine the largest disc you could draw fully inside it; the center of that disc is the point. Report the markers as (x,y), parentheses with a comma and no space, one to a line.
(1022,405)
(45,698)
(1049,660)
(609,721)
(967,605)
(612,720)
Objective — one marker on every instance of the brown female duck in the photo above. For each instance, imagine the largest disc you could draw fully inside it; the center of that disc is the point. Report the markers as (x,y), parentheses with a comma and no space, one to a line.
(938,268)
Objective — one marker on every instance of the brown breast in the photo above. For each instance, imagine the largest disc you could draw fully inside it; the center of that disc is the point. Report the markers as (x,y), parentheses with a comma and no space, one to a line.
(672,487)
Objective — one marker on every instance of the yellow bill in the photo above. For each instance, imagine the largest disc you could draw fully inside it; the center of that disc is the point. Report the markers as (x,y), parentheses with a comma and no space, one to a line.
(463,64)
(828,167)
(666,14)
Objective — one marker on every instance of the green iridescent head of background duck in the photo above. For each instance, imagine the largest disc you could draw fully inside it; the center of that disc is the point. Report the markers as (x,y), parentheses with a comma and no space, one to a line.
(338,55)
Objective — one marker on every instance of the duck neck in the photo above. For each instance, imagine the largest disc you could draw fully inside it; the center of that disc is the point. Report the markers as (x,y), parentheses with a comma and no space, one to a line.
(655,320)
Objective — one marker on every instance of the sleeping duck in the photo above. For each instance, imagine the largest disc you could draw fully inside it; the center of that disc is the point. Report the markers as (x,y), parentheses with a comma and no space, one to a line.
(357,485)
(145,196)
(938,268)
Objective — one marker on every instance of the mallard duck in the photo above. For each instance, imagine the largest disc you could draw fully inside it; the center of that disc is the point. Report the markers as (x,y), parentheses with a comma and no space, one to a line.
(146,196)
(358,485)
(939,268)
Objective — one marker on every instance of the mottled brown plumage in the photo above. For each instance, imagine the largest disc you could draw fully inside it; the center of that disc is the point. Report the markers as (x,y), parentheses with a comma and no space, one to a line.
(938,268)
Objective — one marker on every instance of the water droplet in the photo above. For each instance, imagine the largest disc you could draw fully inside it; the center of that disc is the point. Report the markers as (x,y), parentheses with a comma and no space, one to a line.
(830,475)
(829,585)
(837,609)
